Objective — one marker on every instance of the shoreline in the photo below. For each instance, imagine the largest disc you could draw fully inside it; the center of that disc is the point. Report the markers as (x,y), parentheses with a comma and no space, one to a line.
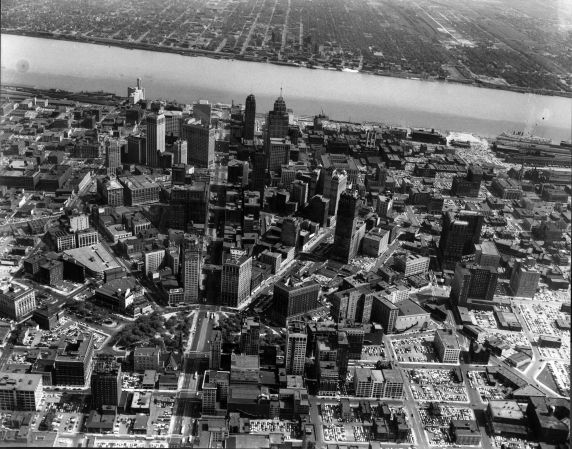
(231,56)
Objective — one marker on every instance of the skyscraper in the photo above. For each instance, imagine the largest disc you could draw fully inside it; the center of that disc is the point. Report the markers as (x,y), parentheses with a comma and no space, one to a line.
(346,236)
(459,235)
(334,184)
(296,341)
(136,93)
(202,112)
(294,297)
(112,156)
(191,270)
(215,350)
(105,381)
(524,280)
(249,118)
(259,173)
(236,277)
(277,122)
(277,153)
(200,139)
(474,282)
(250,336)
(155,138)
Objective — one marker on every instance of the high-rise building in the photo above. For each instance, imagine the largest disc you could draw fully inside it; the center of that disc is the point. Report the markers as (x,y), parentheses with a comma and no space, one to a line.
(354,305)
(277,153)
(17,301)
(215,350)
(349,229)
(259,172)
(277,122)
(299,190)
(469,185)
(153,259)
(191,268)
(106,381)
(474,282)
(73,362)
(155,139)
(209,394)
(524,280)
(250,336)
(20,391)
(386,312)
(136,93)
(236,277)
(294,297)
(459,235)
(200,139)
(446,346)
(249,118)
(189,205)
(334,184)
(136,149)
(112,156)
(180,153)
(384,206)
(202,112)
(411,264)
(296,341)
(290,231)
(487,254)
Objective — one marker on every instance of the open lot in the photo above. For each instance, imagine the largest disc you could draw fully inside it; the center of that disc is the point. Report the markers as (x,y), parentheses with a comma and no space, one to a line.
(415,349)
(488,392)
(436,419)
(441,385)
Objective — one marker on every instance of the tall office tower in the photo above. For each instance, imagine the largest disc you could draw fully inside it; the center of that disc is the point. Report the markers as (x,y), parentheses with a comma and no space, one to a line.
(209,394)
(73,364)
(173,123)
(250,336)
(470,184)
(299,193)
(294,297)
(155,139)
(136,93)
(249,118)
(277,153)
(459,235)
(180,153)
(384,206)
(334,184)
(112,156)
(215,349)
(105,381)
(200,139)
(173,258)
(136,150)
(202,112)
(259,173)
(524,280)
(290,231)
(473,282)
(346,245)
(317,210)
(236,277)
(191,267)
(277,122)
(189,206)
(353,305)
(296,341)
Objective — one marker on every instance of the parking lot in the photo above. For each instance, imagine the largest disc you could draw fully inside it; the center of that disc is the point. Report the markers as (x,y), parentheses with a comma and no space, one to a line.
(540,319)
(439,385)
(436,419)
(373,352)
(415,349)
(266,426)
(478,380)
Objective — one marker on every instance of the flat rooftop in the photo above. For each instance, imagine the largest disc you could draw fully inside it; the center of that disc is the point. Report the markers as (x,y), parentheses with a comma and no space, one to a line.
(94,258)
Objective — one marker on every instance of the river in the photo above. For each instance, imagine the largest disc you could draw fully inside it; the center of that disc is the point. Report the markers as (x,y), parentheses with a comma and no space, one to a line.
(74,66)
